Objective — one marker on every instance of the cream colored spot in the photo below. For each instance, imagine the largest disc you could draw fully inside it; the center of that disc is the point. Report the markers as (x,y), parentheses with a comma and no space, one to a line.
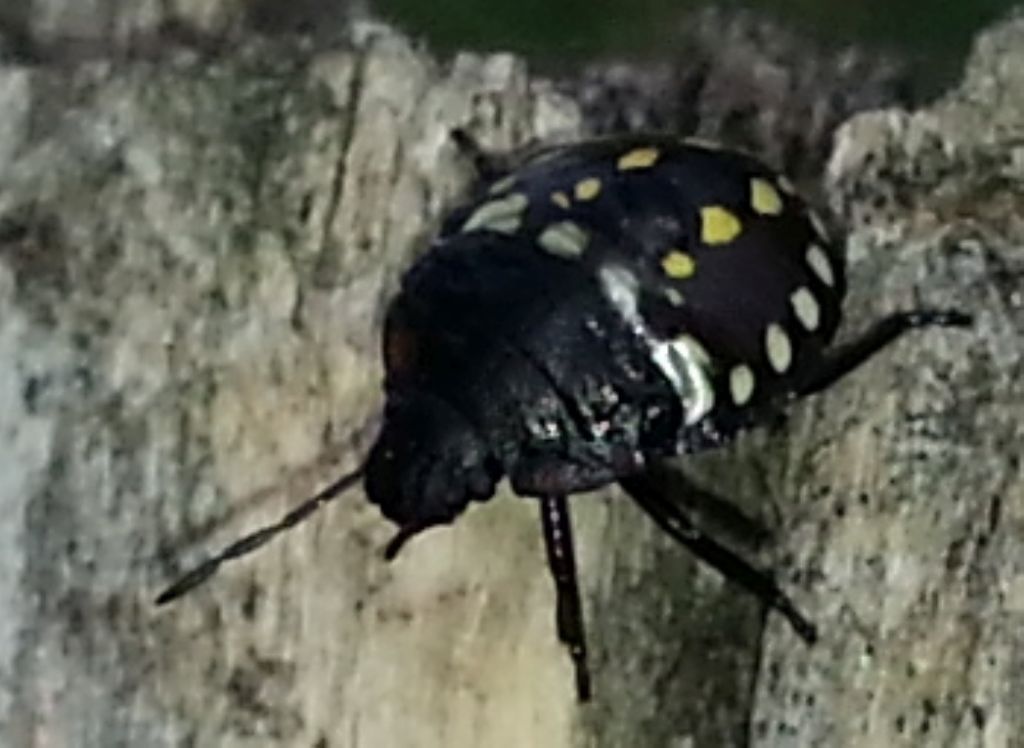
(806,308)
(818,225)
(502,184)
(678,265)
(764,198)
(565,239)
(785,184)
(561,200)
(503,215)
(706,145)
(718,225)
(821,265)
(674,297)
(778,348)
(741,384)
(587,189)
(638,158)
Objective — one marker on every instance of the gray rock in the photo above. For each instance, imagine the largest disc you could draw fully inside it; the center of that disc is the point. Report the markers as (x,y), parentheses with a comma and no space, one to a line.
(909,514)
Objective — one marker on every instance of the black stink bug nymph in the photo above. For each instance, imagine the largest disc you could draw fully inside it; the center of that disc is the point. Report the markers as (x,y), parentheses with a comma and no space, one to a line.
(598,308)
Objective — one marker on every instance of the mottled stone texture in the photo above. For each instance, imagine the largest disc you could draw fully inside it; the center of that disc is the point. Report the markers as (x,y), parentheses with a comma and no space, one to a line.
(195,251)
(59,28)
(908,526)
(737,76)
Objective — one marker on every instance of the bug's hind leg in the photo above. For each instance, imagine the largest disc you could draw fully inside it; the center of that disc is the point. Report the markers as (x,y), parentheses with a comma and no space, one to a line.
(706,548)
(554,515)
(850,356)
(707,510)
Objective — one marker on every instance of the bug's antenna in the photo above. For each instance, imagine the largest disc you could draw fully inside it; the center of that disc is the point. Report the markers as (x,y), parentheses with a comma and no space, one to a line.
(254,540)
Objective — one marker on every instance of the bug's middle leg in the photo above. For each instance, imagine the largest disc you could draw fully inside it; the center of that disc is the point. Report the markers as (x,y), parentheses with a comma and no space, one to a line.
(554,514)
(706,548)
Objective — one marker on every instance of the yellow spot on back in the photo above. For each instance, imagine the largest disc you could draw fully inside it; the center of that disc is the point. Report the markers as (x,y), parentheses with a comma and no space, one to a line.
(778,348)
(638,158)
(564,239)
(561,200)
(765,198)
(587,189)
(678,265)
(718,225)
(503,215)
(741,384)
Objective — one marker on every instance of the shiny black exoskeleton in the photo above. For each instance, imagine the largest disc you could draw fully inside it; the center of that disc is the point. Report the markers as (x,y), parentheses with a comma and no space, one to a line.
(595,309)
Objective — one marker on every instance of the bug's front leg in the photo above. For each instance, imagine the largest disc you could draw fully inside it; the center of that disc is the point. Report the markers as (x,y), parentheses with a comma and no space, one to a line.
(647,496)
(844,359)
(557,524)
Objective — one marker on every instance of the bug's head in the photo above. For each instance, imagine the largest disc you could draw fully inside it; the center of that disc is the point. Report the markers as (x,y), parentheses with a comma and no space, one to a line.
(427,464)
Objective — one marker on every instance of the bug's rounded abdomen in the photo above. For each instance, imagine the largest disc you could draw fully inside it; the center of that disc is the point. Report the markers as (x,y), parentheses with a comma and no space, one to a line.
(729,267)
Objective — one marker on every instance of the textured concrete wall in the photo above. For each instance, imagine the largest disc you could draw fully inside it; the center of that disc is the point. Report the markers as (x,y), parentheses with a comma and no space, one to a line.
(195,251)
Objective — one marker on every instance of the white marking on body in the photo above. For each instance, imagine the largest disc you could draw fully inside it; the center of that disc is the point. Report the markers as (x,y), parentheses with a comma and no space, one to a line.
(702,144)
(503,215)
(741,384)
(821,265)
(683,360)
(564,239)
(778,347)
(675,298)
(561,200)
(621,288)
(502,184)
(806,308)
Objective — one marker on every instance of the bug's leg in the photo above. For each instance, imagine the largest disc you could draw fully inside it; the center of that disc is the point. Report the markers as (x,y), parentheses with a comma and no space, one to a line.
(554,515)
(849,356)
(710,512)
(706,548)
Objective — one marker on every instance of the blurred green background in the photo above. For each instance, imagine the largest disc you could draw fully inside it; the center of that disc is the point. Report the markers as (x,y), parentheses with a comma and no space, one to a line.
(933,34)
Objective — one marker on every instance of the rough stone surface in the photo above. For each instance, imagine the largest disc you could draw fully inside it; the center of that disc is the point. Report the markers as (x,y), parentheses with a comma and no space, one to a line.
(194,256)
(195,251)
(69,30)
(739,77)
(910,494)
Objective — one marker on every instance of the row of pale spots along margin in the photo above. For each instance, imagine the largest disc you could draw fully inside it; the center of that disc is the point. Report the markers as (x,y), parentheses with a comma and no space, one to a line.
(535,200)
